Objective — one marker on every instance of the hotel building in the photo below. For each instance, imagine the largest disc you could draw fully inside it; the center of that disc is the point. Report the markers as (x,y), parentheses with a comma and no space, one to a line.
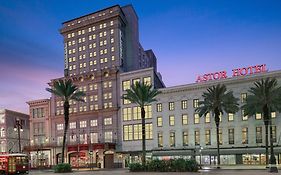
(9,134)
(175,130)
(103,57)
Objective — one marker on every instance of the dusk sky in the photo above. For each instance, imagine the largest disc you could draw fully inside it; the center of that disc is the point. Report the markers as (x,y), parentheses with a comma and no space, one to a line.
(189,37)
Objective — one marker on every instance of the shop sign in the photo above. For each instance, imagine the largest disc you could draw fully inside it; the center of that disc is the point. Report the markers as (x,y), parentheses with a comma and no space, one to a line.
(235,73)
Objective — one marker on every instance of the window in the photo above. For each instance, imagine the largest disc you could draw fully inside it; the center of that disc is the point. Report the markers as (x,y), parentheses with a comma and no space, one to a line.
(184,104)
(159,121)
(230,116)
(197,137)
(207,118)
(108,121)
(126,85)
(148,131)
(108,136)
(273,114)
(172,139)
(83,124)
(243,97)
(196,103)
(137,132)
(274,134)
(171,106)
(185,138)
(94,122)
(94,137)
(220,136)
(196,118)
(171,120)
(184,119)
(244,135)
(208,137)
(72,125)
(127,132)
(2,132)
(59,140)
(147,80)
(258,116)
(127,114)
(83,138)
(244,117)
(59,126)
(136,113)
(160,139)
(125,101)
(231,136)
(159,107)
(148,112)
(259,134)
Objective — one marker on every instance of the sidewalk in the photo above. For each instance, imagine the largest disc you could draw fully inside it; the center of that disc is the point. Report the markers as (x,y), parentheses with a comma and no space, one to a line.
(238,167)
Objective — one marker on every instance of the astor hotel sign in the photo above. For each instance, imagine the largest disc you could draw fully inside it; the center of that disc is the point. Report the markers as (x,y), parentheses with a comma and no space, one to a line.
(235,73)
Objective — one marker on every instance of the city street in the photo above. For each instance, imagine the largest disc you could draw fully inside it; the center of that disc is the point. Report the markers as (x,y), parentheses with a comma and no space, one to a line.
(122,171)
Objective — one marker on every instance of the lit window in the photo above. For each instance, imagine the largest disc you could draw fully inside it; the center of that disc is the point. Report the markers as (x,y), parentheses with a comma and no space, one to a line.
(243,97)
(172,139)
(83,124)
(59,126)
(108,121)
(127,132)
(147,80)
(207,118)
(184,119)
(230,116)
(184,104)
(72,125)
(244,135)
(108,136)
(127,114)
(160,139)
(196,103)
(258,116)
(126,85)
(171,106)
(111,31)
(273,114)
(159,121)
(244,117)
(196,118)
(171,120)
(111,23)
(197,137)
(112,49)
(136,113)
(208,137)
(159,107)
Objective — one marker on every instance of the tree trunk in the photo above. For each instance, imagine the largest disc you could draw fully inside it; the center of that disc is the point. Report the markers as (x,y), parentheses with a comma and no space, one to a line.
(266,143)
(273,167)
(143,135)
(266,122)
(217,120)
(66,121)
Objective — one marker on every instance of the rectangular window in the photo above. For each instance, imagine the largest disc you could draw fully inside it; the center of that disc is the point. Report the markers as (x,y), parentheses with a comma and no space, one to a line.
(274,134)
(207,118)
(108,121)
(172,139)
(208,137)
(137,132)
(184,119)
(94,122)
(171,120)
(196,118)
(244,117)
(127,132)
(126,85)
(148,131)
(231,136)
(230,116)
(159,107)
(148,111)
(72,125)
(147,80)
(160,139)
(185,138)
(59,126)
(197,137)
(135,81)
(258,116)
(273,114)
(159,121)
(136,113)
(171,106)
(220,136)
(244,135)
(83,124)
(127,114)
(108,136)
(94,137)
(243,97)
(259,134)
(195,103)
(184,104)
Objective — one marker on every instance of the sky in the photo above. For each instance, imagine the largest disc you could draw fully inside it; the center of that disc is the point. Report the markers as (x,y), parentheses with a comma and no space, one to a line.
(189,38)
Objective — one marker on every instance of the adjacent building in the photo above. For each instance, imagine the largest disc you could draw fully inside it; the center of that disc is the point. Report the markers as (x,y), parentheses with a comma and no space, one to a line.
(13,125)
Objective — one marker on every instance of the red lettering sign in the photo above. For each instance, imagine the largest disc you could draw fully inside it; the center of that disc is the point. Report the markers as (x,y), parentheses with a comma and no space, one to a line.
(235,73)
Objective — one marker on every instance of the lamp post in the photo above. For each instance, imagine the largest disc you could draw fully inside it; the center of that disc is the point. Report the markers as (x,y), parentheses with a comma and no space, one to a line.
(18,128)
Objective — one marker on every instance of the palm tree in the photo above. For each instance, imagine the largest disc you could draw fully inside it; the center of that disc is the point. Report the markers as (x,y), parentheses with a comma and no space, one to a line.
(265,97)
(217,100)
(67,91)
(141,94)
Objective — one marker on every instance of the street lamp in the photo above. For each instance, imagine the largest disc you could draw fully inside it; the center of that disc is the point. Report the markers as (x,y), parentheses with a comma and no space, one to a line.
(200,150)
(18,128)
